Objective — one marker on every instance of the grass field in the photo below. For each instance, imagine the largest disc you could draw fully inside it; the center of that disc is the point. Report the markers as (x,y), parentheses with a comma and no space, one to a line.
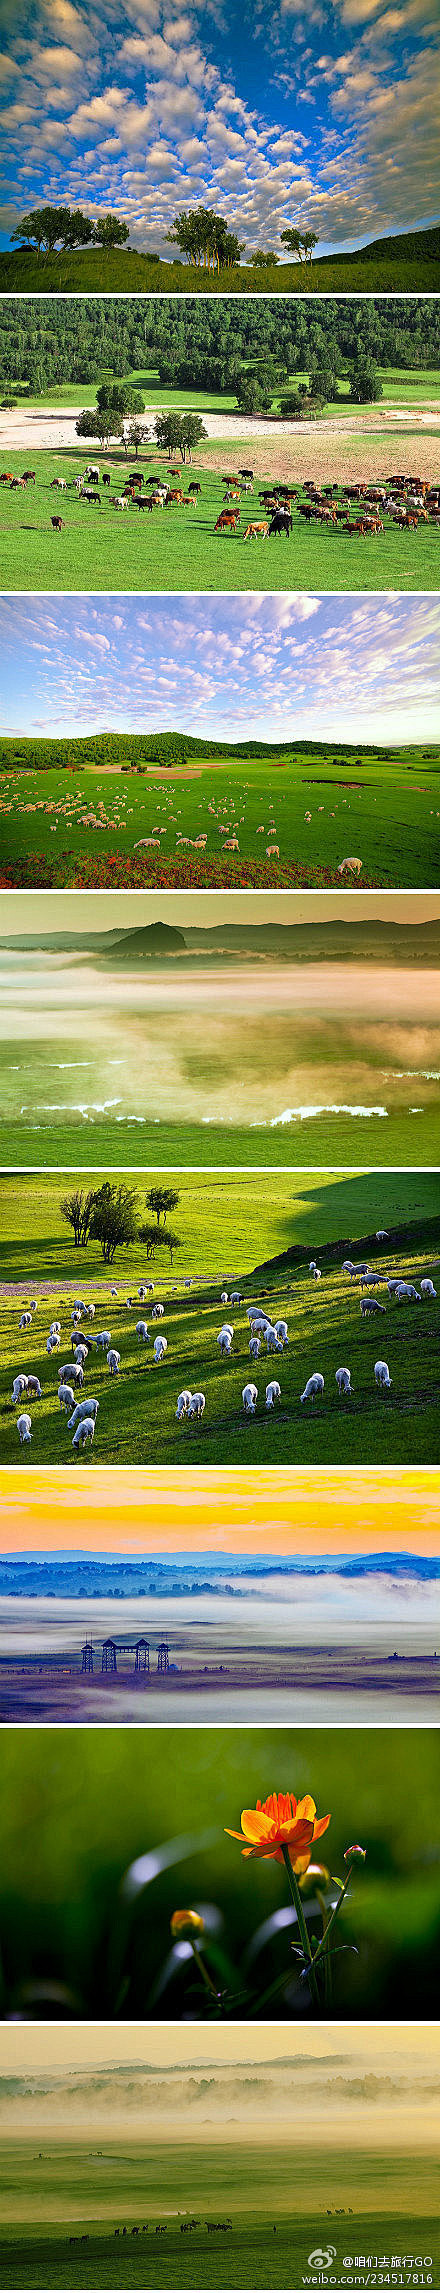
(69,2193)
(405,264)
(72,828)
(414,388)
(227,1224)
(178,548)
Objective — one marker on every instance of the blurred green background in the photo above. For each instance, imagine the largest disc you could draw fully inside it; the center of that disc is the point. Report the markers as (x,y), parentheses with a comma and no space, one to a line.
(82,1932)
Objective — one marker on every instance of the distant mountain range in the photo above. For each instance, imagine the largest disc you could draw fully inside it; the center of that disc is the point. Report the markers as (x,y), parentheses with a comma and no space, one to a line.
(85,1576)
(373,940)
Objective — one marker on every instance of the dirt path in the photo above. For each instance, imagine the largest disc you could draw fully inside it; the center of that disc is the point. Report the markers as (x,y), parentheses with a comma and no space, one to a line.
(52,428)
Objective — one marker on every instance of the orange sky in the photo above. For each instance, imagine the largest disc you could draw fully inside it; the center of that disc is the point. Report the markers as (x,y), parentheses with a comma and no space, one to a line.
(229,1510)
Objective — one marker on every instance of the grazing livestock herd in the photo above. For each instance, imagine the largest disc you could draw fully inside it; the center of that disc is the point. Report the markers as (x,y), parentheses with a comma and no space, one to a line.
(262,1330)
(404,499)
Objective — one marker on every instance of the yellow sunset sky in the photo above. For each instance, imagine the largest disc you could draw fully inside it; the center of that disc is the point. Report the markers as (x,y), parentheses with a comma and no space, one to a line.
(232,1511)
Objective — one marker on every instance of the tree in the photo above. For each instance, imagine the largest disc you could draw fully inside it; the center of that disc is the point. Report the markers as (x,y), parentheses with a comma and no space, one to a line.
(191,429)
(114,1220)
(90,424)
(203,238)
(55,226)
(254,390)
(167,432)
(77,1209)
(161,1199)
(155,1238)
(365,385)
(136,436)
(300,243)
(119,398)
(110,232)
(263,259)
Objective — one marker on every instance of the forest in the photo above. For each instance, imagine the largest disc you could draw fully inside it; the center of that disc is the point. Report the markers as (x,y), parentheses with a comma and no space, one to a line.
(196,344)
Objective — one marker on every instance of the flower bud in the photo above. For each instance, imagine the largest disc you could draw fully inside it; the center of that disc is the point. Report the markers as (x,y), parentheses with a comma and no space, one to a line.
(186,1923)
(355,1854)
(316,1876)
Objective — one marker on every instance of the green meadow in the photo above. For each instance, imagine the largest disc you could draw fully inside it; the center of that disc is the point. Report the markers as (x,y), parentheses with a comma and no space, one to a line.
(178,548)
(73,824)
(234,1233)
(407,263)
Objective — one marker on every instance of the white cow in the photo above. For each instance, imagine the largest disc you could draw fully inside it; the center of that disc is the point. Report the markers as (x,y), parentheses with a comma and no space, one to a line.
(24,1428)
(381,1372)
(314,1387)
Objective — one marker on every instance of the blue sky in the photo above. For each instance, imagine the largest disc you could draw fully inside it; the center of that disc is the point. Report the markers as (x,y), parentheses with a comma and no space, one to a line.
(323,109)
(354,668)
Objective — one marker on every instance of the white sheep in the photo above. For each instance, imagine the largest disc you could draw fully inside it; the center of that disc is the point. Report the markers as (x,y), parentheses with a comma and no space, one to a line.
(142,1333)
(382,1233)
(80,1353)
(33,1303)
(347,1266)
(20,1386)
(83,1409)
(53,1344)
(249,1399)
(183,1402)
(254,1348)
(196,1405)
(236,1298)
(24,1428)
(315,1386)
(85,1431)
(224,1301)
(55,1329)
(25,1322)
(406,1290)
(90,1311)
(427,1288)
(394,1284)
(343,1380)
(66,1397)
(34,1388)
(371,1306)
(274,1345)
(103,1339)
(281,1331)
(317,1276)
(160,1348)
(72,1370)
(273,1393)
(113,1290)
(224,1341)
(158,1311)
(312,1264)
(381,1372)
(113,1361)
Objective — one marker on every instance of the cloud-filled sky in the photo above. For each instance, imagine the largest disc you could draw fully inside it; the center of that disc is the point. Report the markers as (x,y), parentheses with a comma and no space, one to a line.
(322,110)
(220,1511)
(355,668)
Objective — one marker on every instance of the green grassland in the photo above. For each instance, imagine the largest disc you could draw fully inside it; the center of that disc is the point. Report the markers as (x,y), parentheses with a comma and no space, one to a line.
(295,2189)
(412,387)
(80,824)
(404,264)
(137,1423)
(100,549)
(405,1138)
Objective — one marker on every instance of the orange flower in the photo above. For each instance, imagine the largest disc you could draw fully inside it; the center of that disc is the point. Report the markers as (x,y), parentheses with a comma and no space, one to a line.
(186,1923)
(282,1821)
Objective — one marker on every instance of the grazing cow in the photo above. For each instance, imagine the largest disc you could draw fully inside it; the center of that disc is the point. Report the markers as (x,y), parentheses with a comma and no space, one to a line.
(90,495)
(58,525)
(194,487)
(258,531)
(228,521)
(61,483)
(106,478)
(281,522)
(92,472)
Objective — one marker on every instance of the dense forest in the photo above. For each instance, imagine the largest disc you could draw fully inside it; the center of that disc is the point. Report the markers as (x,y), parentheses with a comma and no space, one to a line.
(197,344)
(133,751)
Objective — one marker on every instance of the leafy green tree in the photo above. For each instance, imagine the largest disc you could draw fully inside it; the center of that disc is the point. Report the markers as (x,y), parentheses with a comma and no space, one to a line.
(161,1199)
(167,432)
(300,243)
(110,232)
(155,1238)
(136,437)
(91,424)
(365,385)
(77,1210)
(263,259)
(114,1219)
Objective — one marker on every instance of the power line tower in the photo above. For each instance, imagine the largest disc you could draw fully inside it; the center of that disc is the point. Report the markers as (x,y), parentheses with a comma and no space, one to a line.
(87,1656)
(108,1656)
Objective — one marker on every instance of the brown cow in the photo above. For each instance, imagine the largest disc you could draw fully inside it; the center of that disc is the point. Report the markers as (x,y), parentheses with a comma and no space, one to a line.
(227,522)
(58,525)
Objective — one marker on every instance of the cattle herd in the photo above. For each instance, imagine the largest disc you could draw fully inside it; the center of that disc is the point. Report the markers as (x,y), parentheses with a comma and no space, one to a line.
(403,499)
(264,1330)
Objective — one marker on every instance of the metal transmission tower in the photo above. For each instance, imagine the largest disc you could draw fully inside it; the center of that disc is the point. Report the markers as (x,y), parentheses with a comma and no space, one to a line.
(142,1656)
(108,1656)
(163,1657)
(87,1656)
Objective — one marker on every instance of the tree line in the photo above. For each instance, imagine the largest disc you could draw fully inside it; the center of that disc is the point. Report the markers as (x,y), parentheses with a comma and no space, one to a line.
(203,237)
(199,344)
(110,1214)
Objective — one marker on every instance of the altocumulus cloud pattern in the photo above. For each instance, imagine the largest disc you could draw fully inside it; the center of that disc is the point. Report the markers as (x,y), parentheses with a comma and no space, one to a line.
(279,109)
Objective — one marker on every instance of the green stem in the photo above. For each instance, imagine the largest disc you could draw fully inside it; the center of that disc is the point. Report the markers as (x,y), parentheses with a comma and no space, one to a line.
(322,1946)
(203,1971)
(302,1924)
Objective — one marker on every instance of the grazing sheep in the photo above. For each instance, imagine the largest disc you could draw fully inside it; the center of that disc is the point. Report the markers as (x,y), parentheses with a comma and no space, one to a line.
(103,1338)
(273,1393)
(24,1428)
(142,1334)
(73,1370)
(158,1311)
(274,1345)
(347,1266)
(20,1386)
(113,1291)
(55,1329)
(33,1303)
(236,1299)
(394,1285)
(371,1306)
(66,1397)
(224,1301)
(25,1322)
(34,1388)
(407,1290)
(382,1233)
(254,1348)
(113,1361)
(80,1353)
(317,1277)
(224,1340)
(85,1431)
(53,1344)
(281,1331)
(249,1399)
(196,1405)
(343,1380)
(160,1348)
(315,1386)
(381,1372)
(427,1288)
(183,1402)
(83,1409)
